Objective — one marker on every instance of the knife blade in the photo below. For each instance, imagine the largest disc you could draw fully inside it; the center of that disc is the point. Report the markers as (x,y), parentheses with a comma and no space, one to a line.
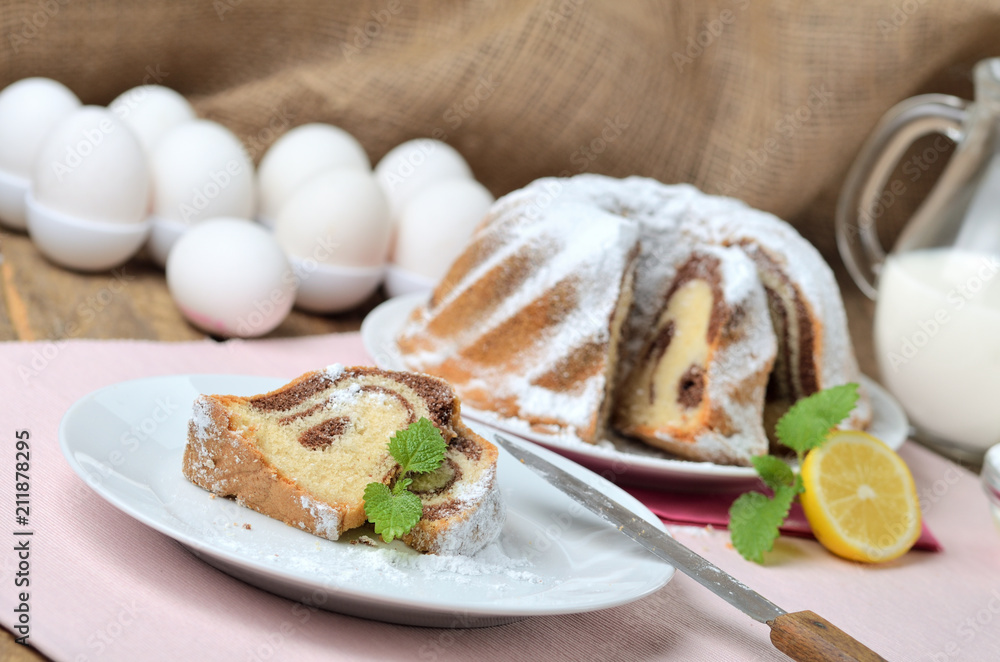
(800,635)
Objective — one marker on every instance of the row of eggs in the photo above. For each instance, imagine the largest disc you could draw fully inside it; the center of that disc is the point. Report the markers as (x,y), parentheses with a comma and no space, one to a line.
(92,185)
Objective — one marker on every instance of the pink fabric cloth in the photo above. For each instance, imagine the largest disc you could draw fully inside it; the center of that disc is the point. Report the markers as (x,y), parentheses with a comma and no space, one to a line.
(105,587)
(713,509)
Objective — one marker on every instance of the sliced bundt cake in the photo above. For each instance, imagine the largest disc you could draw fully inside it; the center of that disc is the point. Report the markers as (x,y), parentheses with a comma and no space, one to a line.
(538,313)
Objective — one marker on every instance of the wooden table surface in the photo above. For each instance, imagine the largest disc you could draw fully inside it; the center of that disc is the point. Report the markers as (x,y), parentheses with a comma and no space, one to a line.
(41,301)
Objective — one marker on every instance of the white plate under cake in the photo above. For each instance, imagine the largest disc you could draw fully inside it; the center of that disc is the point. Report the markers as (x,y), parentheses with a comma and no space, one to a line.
(527,571)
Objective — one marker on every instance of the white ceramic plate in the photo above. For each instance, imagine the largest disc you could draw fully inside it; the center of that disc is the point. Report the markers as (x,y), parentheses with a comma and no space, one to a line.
(617,458)
(552,557)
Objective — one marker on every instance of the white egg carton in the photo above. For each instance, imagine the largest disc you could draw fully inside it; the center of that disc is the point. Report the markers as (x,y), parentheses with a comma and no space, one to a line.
(93,185)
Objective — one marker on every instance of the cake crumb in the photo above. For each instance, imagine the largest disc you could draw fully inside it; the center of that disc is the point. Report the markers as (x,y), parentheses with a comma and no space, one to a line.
(364,540)
(247,526)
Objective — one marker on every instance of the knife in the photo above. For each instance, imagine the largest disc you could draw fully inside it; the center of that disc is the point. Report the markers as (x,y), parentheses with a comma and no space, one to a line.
(802,635)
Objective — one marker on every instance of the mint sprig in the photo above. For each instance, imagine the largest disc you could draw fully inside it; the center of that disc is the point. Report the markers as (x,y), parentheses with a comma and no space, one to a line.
(774,471)
(808,422)
(418,449)
(395,511)
(754,518)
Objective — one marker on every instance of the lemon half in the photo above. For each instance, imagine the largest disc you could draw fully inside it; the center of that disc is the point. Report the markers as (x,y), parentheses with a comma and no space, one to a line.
(860,498)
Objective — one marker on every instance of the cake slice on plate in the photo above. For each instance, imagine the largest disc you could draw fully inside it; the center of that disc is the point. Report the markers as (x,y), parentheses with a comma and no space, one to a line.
(304,453)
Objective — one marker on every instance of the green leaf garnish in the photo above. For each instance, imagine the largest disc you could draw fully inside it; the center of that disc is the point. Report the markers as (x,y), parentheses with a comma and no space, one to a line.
(754,518)
(393,512)
(418,449)
(808,422)
(773,471)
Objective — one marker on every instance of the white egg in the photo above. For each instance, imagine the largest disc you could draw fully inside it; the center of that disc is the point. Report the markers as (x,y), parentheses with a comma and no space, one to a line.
(200,171)
(408,169)
(29,109)
(86,208)
(151,111)
(229,277)
(92,167)
(299,155)
(436,225)
(338,218)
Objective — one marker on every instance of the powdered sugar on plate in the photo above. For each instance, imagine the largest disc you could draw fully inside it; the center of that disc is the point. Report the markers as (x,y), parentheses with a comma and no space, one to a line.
(354,559)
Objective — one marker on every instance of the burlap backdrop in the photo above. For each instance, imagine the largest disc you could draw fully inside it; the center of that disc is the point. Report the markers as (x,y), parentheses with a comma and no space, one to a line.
(766,101)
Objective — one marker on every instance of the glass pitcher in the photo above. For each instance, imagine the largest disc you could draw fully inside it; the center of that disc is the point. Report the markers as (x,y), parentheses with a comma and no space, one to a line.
(937,293)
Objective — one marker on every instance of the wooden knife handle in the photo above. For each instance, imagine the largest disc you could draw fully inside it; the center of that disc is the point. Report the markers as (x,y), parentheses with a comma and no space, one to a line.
(807,637)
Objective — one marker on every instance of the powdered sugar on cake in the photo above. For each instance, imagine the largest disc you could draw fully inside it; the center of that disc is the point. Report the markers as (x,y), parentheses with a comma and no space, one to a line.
(671,222)
(327,519)
(200,431)
(485,521)
(201,418)
(578,248)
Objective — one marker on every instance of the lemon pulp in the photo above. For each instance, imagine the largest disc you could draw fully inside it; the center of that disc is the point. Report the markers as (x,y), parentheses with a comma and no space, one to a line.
(860,498)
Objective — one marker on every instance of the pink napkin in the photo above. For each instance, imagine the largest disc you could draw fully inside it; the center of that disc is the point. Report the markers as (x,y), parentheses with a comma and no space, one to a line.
(713,509)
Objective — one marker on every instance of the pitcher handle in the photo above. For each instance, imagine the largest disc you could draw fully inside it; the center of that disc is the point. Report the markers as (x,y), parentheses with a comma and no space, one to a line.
(857,234)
